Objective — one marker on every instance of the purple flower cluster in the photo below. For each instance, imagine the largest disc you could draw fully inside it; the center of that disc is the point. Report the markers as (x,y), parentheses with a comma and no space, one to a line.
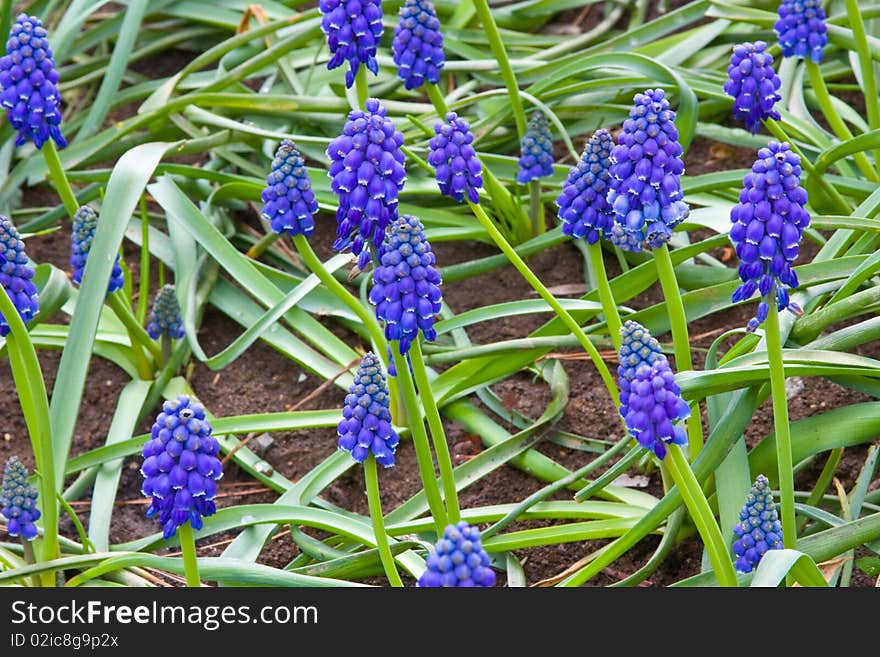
(759,528)
(458,559)
(583,207)
(164,317)
(29,81)
(801,29)
(646,166)
(289,203)
(18,501)
(181,465)
(366,172)
(418,44)
(452,155)
(85,221)
(536,150)
(366,418)
(406,285)
(16,273)
(768,223)
(353,29)
(753,84)
(650,399)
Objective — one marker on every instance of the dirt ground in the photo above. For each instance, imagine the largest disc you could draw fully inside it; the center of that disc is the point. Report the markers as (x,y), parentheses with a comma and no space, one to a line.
(280,383)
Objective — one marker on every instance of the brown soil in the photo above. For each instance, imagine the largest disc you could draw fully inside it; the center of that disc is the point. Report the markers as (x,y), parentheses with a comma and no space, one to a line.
(262,380)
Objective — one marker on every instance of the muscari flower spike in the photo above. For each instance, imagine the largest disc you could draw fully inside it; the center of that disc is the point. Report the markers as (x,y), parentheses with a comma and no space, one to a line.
(180,466)
(29,81)
(418,44)
(85,221)
(18,501)
(366,418)
(353,29)
(646,165)
(801,29)
(406,285)
(458,559)
(289,204)
(753,84)
(454,159)
(768,223)
(759,528)
(583,207)
(16,274)
(165,318)
(536,150)
(650,399)
(366,172)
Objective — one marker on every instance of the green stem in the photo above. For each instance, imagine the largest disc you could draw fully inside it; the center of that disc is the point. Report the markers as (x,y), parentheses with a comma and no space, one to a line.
(872,105)
(437,100)
(609,306)
(188,550)
(536,209)
(497,45)
(542,291)
(438,436)
(420,441)
(680,340)
(777,131)
(259,248)
(361,87)
(701,513)
(371,478)
(165,344)
(781,427)
(144,282)
(31,558)
(843,133)
(59,178)
(137,335)
(343,294)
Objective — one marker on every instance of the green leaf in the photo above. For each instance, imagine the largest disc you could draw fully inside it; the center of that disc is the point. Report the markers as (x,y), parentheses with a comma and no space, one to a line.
(776,564)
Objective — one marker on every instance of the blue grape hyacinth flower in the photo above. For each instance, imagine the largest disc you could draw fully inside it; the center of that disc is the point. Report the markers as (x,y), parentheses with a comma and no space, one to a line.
(289,204)
(583,206)
(758,529)
(418,44)
(458,170)
(753,84)
(29,80)
(165,317)
(768,223)
(406,285)
(801,29)
(458,559)
(353,29)
(18,501)
(650,399)
(181,467)
(365,427)
(536,150)
(85,221)
(646,166)
(366,173)
(16,274)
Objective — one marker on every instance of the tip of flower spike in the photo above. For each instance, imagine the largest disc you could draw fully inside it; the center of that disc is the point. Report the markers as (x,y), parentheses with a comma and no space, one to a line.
(365,427)
(18,501)
(458,559)
(289,204)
